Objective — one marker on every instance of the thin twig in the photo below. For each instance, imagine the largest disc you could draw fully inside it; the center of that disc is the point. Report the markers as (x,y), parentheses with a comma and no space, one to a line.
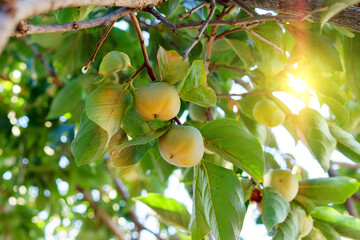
(177,120)
(137,73)
(226,95)
(212,38)
(98,45)
(184,15)
(347,165)
(356,197)
(104,217)
(201,30)
(149,69)
(237,69)
(272,45)
(39,56)
(223,34)
(162,19)
(245,8)
(122,190)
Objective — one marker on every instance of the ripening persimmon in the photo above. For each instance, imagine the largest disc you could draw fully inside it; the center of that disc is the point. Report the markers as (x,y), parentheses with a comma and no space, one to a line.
(158,100)
(283,181)
(305,223)
(198,113)
(268,113)
(182,146)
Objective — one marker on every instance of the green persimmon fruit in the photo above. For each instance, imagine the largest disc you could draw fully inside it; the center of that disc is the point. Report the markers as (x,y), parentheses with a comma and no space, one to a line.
(268,113)
(157,100)
(283,181)
(198,113)
(182,146)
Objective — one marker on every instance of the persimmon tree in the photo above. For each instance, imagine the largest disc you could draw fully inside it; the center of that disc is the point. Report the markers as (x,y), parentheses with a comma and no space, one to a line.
(103,100)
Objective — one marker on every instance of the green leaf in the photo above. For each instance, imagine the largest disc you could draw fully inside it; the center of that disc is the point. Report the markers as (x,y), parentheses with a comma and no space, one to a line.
(223,201)
(335,7)
(314,132)
(308,205)
(168,210)
(114,62)
(131,152)
(198,225)
(352,63)
(289,229)
(242,51)
(328,190)
(67,15)
(193,87)
(346,226)
(89,143)
(106,106)
(233,142)
(326,230)
(338,109)
(346,143)
(66,100)
(275,208)
(317,48)
(172,68)
(315,234)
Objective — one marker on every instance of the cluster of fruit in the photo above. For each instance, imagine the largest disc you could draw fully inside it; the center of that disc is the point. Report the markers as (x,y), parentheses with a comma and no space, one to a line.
(182,146)
(287,186)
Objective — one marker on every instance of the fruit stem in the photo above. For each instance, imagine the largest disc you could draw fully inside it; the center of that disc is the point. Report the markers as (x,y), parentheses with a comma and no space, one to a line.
(177,120)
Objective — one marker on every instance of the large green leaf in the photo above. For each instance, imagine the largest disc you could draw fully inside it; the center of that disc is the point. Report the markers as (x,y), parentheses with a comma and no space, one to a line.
(335,7)
(338,109)
(346,226)
(113,62)
(168,210)
(67,15)
(314,132)
(131,152)
(106,106)
(328,190)
(172,68)
(328,231)
(346,143)
(223,201)
(242,51)
(275,208)
(315,234)
(352,63)
(289,229)
(89,143)
(198,226)
(317,48)
(193,87)
(66,100)
(233,142)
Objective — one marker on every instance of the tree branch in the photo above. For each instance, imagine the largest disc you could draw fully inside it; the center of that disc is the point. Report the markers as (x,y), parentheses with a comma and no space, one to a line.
(121,189)
(245,7)
(29,8)
(201,30)
(261,38)
(47,66)
(28,29)
(348,18)
(184,15)
(149,69)
(104,217)
(162,19)
(347,165)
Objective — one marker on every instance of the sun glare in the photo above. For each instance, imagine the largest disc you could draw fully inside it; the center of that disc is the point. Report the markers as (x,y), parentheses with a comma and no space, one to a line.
(296,83)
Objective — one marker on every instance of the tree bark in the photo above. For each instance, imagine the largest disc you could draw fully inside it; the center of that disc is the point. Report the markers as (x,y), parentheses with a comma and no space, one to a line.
(348,18)
(24,9)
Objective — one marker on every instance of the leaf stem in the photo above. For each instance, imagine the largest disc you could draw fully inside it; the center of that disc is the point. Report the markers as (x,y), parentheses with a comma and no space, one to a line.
(149,69)
(98,45)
